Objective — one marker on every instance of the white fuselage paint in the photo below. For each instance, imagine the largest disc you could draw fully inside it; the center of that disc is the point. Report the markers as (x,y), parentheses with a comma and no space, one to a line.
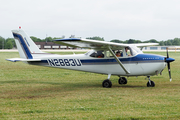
(83,62)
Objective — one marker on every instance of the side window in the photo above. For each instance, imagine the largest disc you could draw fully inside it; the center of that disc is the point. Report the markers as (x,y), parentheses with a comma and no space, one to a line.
(124,52)
(127,51)
(118,53)
(98,54)
(108,54)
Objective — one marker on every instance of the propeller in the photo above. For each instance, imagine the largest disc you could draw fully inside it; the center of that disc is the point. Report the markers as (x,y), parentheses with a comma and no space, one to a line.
(168,60)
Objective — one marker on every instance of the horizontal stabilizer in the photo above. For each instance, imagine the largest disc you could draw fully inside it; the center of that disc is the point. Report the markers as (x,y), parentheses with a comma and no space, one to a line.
(22,59)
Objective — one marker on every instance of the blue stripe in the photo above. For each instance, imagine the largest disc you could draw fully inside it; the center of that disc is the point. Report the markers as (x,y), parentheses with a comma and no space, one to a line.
(141,58)
(25,48)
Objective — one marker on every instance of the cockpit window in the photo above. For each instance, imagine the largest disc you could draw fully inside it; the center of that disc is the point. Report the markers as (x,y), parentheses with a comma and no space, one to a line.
(98,54)
(123,52)
(118,53)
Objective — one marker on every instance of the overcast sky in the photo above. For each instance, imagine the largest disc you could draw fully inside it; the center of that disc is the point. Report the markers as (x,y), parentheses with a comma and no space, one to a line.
(111,19)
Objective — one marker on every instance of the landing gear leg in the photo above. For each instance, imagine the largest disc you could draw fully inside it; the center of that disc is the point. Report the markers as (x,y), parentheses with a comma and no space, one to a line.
(150,83)
(107,83)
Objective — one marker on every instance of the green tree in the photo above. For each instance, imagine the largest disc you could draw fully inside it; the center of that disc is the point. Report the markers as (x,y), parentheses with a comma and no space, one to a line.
(96,38)
(48,39)
(35,39)
(116,41)
(138,41)
(2,42)
(57,38)
(176,41)
(168,43)
(151,41)
(161,43)
(12,41)
(131,41)
(9,45)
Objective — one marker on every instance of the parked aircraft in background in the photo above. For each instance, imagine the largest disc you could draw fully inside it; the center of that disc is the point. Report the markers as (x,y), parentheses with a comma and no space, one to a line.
(105,58)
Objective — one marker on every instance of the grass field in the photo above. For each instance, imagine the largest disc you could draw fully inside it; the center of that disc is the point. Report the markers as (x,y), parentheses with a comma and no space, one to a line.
(34,92)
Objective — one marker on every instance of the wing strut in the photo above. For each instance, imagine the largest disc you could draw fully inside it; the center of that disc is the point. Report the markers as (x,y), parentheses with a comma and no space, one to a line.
(127,72)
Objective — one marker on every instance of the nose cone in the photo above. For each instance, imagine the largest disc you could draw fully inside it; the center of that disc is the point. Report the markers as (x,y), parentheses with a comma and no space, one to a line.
(169,59)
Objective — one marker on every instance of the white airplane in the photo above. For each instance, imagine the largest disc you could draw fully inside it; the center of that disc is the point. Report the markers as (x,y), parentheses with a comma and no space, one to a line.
(105,58)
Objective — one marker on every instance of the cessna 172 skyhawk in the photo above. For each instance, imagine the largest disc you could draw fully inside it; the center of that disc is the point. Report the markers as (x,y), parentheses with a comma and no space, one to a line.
(105,58)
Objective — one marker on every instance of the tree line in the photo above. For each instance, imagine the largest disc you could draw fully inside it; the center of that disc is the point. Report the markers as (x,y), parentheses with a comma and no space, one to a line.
(9,43)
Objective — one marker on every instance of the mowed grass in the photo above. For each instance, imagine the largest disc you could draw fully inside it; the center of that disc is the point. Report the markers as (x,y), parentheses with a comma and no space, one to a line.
(35,92)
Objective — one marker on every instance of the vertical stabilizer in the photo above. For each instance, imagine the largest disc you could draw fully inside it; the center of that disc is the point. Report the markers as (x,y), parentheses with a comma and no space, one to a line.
(24,44)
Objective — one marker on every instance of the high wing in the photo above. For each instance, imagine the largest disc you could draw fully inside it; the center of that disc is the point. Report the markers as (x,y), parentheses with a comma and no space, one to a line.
(95,44)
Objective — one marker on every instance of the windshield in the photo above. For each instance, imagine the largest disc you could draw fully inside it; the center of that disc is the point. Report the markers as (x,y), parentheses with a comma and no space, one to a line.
(135,50)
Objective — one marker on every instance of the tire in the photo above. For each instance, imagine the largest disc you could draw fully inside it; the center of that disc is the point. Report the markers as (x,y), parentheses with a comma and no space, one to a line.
(152,84)
(122,80)
(107,83)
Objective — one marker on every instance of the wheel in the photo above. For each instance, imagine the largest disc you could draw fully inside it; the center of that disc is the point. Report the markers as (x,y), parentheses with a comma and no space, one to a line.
(107,83)
(122,80)
(150,85)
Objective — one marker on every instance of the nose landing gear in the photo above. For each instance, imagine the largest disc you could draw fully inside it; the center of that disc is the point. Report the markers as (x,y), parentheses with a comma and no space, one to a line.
(150,83)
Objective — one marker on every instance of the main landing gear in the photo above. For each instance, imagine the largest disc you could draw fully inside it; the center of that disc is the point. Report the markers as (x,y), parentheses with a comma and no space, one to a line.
(122,80)
(108,84)
(150,83)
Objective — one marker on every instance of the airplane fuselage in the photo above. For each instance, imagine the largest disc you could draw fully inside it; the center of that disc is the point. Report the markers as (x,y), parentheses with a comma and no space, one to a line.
(139,65)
